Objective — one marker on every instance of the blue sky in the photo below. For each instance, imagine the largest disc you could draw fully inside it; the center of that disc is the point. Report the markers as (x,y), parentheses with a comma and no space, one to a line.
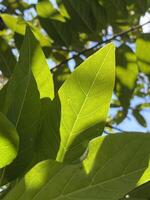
(35,1)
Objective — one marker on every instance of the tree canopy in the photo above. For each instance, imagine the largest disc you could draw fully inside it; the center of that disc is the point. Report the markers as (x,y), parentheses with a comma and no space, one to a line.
(60,90)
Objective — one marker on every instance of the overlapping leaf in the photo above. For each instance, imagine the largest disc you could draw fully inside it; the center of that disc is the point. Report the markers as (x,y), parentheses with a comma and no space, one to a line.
(31,81)
(9,141)
(140,193)
(115,165)
(18,25)
(126,76)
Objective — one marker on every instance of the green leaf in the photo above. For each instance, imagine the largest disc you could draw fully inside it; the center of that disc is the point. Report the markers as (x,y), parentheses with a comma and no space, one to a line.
(143,106)
(59,31)
(9,141)
(31,81)
(126,75)
(142,52)
(64,24)
(140,119)
(18,25)
(115,165)
(15,23)
(86,16)
(140,193)
(13,5)
(48,139)
(7,59)
(62,9)
(60,75)
(116,12)
(45,9)
(85,98)
(3,94)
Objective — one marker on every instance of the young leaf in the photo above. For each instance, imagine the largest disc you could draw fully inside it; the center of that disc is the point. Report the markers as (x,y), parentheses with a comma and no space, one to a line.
(85,97)
(115,165)
(31,81)
(9,141)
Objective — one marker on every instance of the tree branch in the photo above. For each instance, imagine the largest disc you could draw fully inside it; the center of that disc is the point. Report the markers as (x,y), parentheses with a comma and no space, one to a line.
(101,43)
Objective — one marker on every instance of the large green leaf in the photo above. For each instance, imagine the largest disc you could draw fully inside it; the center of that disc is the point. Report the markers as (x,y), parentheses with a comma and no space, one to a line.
(9,141)
(115,165)
(85,97)
(31,81)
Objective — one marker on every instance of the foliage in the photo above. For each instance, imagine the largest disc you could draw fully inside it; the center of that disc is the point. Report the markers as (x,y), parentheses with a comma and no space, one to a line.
(53,119)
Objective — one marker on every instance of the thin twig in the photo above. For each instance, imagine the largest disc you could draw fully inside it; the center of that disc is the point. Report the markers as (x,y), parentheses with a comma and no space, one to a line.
(114,127)
(101,43)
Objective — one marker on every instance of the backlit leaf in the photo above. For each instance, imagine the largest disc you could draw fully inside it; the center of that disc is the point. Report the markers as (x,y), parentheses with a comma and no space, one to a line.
(85,97)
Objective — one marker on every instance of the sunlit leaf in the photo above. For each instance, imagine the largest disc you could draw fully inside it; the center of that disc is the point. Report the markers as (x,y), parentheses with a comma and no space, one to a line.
(46,10)
(9,141)
(15,23)
(85,98)
(18,25)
